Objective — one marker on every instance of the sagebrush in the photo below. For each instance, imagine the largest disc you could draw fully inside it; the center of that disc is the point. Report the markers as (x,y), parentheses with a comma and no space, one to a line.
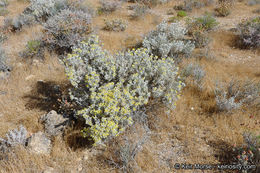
(168,40)
(109,88)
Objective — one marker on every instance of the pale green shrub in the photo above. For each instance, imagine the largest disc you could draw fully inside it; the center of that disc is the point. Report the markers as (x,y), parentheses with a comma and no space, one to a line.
(168,41)
(108,89)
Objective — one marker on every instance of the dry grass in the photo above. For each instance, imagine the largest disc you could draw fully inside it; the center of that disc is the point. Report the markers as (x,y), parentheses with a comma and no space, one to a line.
(194,127)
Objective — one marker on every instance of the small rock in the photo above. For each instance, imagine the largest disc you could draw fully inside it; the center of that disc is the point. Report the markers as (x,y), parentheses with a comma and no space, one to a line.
(54,123)
(39,143)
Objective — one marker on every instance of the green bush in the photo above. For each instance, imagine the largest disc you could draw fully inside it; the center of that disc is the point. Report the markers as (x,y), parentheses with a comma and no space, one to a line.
(181,14)
(204,23)
(108,89)
(33,48)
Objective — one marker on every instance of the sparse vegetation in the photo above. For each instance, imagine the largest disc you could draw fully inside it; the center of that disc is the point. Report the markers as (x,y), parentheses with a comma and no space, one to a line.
(249,33)
(34,48)
(115,25)
(188,5)
(223,10)
(139,96)
(138,11)
(204,23)
(235,94)
(65,29)
(181,14)
(14,137)
(195,72)
(108,6)
(3,66)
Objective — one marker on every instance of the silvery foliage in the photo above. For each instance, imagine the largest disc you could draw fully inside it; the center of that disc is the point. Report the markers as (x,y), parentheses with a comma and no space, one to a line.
(160,74)
(42,9)
(67,27)
(109,6)
(196,72)
(3,66)
(234,95)
(168,41)
(109,88)
(14,137)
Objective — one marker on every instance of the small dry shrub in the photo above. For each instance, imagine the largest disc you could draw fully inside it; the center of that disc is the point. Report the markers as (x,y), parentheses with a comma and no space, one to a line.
(65,29)
(249,33)
(223,9)
(34,48)
(138,11)
(115,25)
(235,94)
(108,6)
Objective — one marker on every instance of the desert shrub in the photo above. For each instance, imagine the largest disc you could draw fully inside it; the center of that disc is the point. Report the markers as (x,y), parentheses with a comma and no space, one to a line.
(138,11)
(4,3)
(109,89)
(201,39)
(168,41)
(257,11)
(181,14)
(249,153)
(249,33)
(41,10)
(82,5)
(115,25)
(3,11)
(123,150)
(3,37)
(13,138)
(108,6)
(3,66)
(33,48)
(223,10)
(195,72)
(149,3)
(174,19)
(235,94)
(65,29)
(203,24)
(188,5)
(253,2)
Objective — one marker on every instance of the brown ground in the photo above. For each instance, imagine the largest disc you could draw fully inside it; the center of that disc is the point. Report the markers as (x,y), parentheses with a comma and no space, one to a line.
(191,136)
